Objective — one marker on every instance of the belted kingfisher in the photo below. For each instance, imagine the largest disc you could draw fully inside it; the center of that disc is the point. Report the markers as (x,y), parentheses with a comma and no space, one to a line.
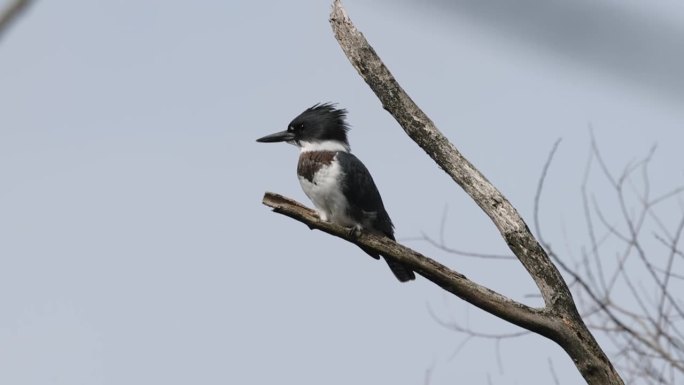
(335,180)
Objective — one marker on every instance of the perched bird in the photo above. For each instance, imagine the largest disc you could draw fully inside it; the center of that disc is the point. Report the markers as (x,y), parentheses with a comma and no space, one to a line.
(335,180)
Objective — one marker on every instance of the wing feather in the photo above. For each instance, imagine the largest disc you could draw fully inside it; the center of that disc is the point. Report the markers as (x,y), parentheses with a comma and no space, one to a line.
(365,202)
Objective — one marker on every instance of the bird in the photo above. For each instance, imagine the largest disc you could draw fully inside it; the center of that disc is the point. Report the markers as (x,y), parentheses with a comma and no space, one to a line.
(337,182)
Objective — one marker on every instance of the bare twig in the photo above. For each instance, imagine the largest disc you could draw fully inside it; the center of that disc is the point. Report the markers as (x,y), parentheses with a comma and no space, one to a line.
(540,186)
(441,244)
(553,372)
(455,326)
(646,331)
(11,13)
(451,250)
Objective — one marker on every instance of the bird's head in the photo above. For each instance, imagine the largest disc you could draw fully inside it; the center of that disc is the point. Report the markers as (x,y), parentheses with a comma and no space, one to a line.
(319,128)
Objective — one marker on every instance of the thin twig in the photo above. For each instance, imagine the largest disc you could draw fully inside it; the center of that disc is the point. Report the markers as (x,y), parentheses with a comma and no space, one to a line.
(11,13)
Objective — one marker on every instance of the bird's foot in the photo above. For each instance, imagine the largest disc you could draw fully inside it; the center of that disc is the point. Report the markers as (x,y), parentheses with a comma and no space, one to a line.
(322,216)
(354,231)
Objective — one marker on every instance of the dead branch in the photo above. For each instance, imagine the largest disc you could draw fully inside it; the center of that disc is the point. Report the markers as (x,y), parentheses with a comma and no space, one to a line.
(574,337)
(559,319)
(522,315)
(11,13)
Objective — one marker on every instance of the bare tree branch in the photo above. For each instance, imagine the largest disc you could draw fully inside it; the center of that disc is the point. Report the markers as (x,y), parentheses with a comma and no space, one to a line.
(422,130)
(573,336)
(646,330)
(553,372)
(455,326)
(559,319)
(11,13)
(540,185)
(522,315)
(441,244)
(472,254)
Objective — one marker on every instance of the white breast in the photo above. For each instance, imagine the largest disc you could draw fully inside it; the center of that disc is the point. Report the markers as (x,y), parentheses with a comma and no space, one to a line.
(326,194)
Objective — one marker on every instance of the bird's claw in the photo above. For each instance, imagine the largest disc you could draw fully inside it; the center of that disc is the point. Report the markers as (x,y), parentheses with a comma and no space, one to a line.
(354,232)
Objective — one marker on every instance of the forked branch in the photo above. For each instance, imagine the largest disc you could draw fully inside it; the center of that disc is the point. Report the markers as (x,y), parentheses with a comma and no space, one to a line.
(559,319)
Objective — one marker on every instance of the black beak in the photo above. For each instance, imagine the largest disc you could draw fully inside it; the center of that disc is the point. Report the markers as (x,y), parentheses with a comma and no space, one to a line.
(282,136)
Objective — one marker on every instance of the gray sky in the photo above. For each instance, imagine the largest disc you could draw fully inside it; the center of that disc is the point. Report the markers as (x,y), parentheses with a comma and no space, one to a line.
(133,245)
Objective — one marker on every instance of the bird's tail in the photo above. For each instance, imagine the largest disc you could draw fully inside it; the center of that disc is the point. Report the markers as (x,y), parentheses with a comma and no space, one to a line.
(400,271)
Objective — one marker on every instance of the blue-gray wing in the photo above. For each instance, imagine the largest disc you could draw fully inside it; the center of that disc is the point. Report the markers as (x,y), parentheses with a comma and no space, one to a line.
(365,206)
(363,196)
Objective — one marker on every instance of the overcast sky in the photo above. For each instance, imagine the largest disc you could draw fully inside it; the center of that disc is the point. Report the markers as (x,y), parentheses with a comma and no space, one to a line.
(134,248)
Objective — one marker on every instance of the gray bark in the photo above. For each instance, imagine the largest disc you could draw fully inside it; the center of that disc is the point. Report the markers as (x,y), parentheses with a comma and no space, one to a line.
(559,319)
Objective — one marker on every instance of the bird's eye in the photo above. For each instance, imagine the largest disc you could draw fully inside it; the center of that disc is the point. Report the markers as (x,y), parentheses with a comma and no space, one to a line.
(301,126)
